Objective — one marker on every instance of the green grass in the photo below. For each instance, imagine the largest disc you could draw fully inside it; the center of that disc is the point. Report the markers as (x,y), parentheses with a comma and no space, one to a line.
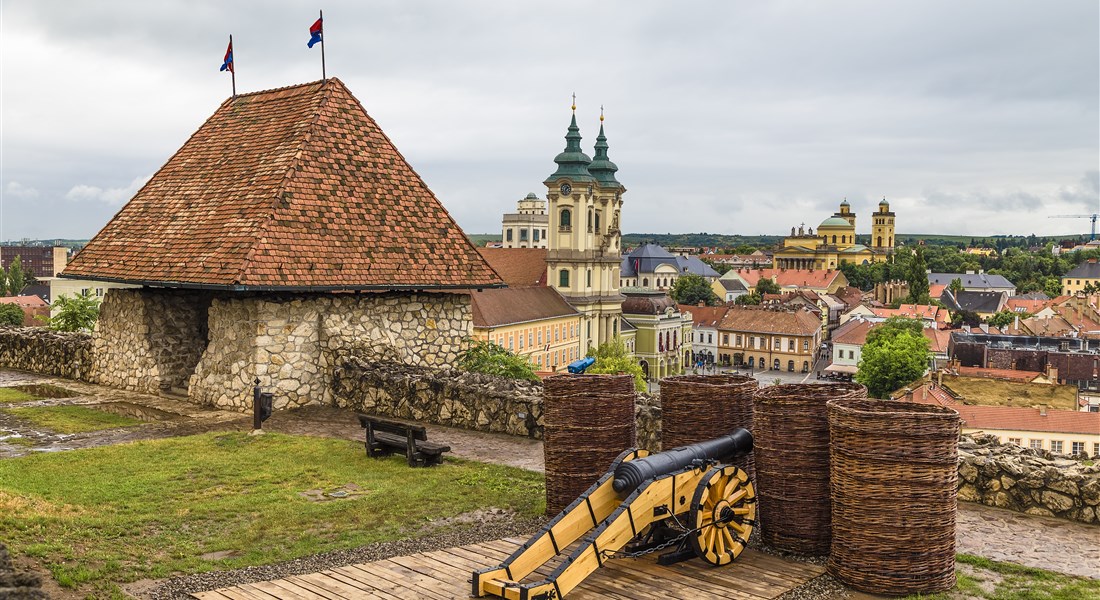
(100,517)
(10,395)
(1014,582)
(71,418)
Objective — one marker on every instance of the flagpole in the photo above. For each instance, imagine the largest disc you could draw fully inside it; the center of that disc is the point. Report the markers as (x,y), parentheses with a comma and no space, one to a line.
(321,13)
(233,70)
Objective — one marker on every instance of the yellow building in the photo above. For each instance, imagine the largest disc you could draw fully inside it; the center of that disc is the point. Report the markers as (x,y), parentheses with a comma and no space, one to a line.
(765,339)
(835,241)
(1084,274)
(533,322)
(663,344)
(584,251)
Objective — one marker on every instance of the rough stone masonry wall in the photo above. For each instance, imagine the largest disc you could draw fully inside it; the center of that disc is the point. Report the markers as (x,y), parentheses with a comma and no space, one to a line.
(293,343)
(1030,481)
(461,399)
(39,350)
(148,340)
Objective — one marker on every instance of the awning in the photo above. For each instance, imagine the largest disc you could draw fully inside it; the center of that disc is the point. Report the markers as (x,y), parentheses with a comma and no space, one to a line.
(850,369)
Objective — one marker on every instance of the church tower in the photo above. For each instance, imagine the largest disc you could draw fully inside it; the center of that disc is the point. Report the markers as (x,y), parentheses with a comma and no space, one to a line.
(882,228)
(584,253)
(846,213)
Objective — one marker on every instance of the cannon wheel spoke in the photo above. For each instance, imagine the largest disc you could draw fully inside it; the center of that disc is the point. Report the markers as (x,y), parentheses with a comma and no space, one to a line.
(723,511)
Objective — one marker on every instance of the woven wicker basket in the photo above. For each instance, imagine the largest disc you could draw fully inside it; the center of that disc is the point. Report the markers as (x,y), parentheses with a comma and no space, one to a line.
(894,477)
(695,408)
(588,421)
(791,447)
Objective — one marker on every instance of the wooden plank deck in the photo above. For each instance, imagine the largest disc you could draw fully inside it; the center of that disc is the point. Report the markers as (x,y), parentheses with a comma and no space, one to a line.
(444,575)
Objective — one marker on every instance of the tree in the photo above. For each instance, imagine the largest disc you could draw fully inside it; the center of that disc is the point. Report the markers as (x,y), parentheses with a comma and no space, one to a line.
(74,313)
(612,358)
(955,286)
(3,282)
(896,326)
(11,314)
(16,280)
(693,289)
(917,278)
(965,317)
(1005,318)
(744,299)
(491,359)
(766,286)
(891,360)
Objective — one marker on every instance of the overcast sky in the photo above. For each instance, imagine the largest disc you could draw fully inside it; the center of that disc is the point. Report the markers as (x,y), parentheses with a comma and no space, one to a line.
(970,117)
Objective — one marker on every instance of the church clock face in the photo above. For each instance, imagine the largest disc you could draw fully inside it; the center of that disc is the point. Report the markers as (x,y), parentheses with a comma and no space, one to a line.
(566,189)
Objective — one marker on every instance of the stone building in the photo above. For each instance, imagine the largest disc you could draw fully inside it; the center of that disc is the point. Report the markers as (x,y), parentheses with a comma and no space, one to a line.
(287,234)
(525,228)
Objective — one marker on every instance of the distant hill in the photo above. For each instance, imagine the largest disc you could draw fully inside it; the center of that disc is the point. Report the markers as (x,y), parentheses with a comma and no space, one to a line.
(68,243)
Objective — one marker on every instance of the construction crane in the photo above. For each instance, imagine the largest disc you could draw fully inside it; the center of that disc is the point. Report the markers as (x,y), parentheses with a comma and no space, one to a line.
(1091,217)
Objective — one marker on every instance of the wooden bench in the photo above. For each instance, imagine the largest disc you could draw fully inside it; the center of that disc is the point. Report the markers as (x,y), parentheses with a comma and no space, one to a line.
(386,437)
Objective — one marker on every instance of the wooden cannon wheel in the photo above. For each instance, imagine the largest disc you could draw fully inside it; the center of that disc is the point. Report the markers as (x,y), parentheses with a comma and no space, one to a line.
(723,511)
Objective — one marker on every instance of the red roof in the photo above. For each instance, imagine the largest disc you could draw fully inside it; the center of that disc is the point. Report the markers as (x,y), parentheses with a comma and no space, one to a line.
(499,307)
(295,188)
(819,278)
(1013,418)
(853,332)
(913,311)
(24,301)
(1006,374)
(518,267)
(1027,305)
(704,316)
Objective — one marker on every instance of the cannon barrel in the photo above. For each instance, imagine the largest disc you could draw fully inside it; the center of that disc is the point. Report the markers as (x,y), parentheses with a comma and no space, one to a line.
(631,474)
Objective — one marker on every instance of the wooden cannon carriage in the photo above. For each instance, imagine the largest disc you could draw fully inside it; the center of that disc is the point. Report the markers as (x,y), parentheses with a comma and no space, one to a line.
(634,506)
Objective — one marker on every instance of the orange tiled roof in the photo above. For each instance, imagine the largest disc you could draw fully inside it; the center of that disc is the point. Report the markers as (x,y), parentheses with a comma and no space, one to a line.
(819,278)
(499,307)
(1006,374)
(853,332)
(759,320)
(24,301)
(518,267)
(704,316)
(295,188)
(1027,305)
(1011,418)
(913,311)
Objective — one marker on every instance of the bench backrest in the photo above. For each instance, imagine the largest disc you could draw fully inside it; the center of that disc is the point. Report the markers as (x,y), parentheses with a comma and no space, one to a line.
(401,429)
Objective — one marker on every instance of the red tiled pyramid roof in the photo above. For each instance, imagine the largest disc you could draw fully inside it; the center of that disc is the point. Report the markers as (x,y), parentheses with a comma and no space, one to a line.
(295,188)
(518,267)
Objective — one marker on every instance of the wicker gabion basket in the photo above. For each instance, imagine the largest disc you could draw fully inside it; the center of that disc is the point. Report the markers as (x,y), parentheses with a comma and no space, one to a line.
(695,408)
(894,478)
(588,421)
(791,448)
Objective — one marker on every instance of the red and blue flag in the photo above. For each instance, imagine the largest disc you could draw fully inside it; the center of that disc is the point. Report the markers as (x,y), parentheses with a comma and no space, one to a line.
(315,33)
(227,64)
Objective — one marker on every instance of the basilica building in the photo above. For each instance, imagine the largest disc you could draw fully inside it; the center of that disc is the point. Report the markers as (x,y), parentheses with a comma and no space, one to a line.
(834,243)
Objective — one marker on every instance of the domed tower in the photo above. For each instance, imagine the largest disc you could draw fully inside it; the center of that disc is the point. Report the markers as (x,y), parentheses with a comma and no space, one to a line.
(525,228)
(583,255)
(882,228)
(846,213)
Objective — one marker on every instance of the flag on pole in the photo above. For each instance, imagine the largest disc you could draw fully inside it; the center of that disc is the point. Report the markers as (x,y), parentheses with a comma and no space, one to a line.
(227,63)
(315,33)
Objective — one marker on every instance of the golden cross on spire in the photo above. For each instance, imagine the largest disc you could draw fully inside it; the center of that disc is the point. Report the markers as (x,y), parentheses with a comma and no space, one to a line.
(574,101)
(601,113)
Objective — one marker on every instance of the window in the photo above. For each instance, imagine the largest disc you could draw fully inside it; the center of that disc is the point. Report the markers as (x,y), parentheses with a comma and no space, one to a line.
(563,278)
(588,278)
(790,345)
(508,235)
(752,359)
(1035,444)
(535,234)
(840,354)
(540,337)
(775,364)
(538,359)
(710,338)
(523,235)
(590,220)
(726,339)
(645,282)
(614,327)
(511,342)
(1096,450)
(1056,446)
(565,221)
(557,334)
(834,239)
(588,329)
(805,345)
(1078,448)
(597,221)
(790,366)
(1017,441)
(521,341)
(530,338)
(738,341)
(851,354)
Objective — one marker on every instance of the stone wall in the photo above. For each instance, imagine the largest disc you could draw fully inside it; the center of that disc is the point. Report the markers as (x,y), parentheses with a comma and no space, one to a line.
(294,343)
(457,398)
(149,340)
(1035,482)
(38,350)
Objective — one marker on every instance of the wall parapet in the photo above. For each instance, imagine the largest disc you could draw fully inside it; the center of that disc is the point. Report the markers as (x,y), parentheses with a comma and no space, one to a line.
(40,350)
(1035,482)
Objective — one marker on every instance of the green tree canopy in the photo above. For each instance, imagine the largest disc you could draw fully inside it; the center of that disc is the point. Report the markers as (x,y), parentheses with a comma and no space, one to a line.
(744,299)
(16,279)
(74,313)
(917,276)
(612,357)
(693,289)
(491,359)
(955,286)
(1005,318)
(3,282)
(11,314)
(766,286)
(895,326)
(891,360)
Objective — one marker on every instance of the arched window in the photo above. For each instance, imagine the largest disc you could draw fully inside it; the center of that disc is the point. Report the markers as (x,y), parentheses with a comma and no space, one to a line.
(589,278)
(790,366)
(775,364)
(566,218)
(805,366)
(834,239)
(879,244)
(597,221)
(590,219)
(645,282)
(563,278)
(752,361)
(891,243)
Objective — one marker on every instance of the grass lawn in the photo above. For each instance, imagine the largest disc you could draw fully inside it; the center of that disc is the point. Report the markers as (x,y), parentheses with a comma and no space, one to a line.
(104,516)
(984,579)
(71,418)
(10,395)
(993,392)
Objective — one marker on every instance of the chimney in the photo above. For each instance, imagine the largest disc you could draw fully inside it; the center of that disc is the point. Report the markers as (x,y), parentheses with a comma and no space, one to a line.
(60,259)
(939,378)
(1042,410)
(701,303)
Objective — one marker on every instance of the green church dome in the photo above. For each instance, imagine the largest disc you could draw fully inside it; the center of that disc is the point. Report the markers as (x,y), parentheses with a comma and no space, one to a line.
(834,222)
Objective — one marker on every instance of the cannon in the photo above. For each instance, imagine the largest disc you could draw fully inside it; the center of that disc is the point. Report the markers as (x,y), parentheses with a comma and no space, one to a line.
(686,499)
